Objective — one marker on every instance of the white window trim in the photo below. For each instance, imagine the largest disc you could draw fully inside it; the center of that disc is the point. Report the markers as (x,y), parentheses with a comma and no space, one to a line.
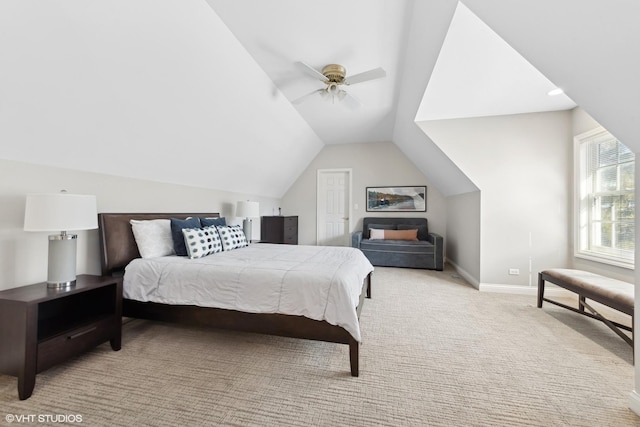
(577,206)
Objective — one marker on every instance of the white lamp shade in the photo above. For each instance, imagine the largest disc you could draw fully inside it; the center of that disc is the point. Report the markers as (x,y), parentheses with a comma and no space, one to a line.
(60,212)
(248,209)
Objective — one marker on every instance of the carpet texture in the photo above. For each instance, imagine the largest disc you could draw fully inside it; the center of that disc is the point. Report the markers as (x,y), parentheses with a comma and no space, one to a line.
(435,352)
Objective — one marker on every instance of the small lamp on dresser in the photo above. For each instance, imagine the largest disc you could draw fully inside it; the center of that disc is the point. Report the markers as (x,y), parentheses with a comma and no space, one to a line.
(61,212)
(247,210)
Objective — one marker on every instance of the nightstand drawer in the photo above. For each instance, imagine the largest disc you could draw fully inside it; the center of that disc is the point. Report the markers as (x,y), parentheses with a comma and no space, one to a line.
(61,347)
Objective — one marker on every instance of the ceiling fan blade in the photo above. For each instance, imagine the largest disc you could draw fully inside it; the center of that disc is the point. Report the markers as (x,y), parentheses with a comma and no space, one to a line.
(376,73)
(351,101)
(304,97)
(311,71)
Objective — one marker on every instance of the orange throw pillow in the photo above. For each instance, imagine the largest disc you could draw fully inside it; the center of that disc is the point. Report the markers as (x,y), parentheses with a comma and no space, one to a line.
(401,234)
(394,234)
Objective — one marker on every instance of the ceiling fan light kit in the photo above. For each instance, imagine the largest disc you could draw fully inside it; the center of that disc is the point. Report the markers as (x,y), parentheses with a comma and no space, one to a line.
(333,76)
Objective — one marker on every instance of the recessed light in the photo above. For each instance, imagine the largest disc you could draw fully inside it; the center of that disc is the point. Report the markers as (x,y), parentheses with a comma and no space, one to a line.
(554,92)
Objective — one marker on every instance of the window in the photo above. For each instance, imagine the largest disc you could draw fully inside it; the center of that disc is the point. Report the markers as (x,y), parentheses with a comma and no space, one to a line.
(606,202)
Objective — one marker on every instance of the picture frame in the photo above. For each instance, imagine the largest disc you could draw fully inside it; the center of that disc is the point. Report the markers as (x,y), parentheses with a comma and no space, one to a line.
(397,199)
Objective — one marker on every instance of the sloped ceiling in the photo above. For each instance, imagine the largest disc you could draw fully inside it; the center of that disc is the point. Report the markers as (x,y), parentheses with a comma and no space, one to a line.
(479,74)
(199,92)
(153,89)
(358,34)
(589,48)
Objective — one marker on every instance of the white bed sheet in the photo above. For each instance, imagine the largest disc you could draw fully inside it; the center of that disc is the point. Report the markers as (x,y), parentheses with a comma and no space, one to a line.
(318,282)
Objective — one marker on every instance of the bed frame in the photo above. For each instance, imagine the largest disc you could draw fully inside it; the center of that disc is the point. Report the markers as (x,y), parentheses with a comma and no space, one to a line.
(118,248)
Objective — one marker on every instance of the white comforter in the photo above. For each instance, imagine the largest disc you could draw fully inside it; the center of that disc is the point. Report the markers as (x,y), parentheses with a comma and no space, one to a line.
(318,282)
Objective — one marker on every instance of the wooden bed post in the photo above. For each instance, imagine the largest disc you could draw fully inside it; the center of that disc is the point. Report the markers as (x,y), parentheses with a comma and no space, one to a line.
(354,348)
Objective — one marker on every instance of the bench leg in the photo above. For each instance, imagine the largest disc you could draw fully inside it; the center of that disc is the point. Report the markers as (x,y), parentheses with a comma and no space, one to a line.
(540,290)
(581,301)
(612,325)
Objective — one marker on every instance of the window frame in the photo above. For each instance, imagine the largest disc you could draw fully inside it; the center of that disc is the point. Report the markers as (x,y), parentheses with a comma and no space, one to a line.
(582,208)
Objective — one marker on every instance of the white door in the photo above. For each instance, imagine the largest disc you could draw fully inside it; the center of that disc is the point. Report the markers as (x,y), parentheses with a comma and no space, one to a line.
(334,201)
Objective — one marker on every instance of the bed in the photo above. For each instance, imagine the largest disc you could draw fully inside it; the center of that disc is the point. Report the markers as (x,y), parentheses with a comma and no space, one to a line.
(119,250)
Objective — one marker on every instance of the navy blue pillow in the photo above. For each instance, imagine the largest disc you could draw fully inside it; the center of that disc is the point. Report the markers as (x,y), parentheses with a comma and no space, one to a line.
(207,222)
(176,232)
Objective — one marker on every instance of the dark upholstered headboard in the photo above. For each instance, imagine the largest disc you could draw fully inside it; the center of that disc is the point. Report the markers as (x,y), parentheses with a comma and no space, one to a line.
(117,244)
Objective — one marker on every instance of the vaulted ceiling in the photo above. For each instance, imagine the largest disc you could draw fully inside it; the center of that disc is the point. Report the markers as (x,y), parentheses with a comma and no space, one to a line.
(200,92)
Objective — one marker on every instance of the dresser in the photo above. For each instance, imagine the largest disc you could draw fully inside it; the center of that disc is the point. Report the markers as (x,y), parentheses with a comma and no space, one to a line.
(279,229)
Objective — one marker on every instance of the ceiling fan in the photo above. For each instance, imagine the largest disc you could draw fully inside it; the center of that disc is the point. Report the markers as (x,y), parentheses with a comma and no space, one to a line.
(334,76)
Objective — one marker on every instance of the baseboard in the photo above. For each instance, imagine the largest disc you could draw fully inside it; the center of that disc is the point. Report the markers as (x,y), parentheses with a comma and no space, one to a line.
(634,402)
(466,276)
(549,291)
(508,289)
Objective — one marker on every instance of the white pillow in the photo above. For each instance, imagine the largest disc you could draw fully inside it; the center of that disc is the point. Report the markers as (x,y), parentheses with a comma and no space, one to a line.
(376,234)
(232,237)
(153,237)
(201,241)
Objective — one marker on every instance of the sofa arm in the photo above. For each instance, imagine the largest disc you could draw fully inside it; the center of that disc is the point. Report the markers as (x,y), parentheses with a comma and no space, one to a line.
(356,238)
(437,241)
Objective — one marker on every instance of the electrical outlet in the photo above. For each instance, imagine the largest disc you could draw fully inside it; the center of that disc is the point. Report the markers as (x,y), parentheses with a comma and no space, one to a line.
(514,271)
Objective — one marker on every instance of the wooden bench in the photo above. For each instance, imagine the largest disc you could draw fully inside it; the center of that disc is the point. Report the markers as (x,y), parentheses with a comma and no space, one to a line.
(613,293)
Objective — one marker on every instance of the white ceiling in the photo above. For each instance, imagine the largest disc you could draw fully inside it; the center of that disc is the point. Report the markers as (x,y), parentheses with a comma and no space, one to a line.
(198,92)
(477,73)
(358,34)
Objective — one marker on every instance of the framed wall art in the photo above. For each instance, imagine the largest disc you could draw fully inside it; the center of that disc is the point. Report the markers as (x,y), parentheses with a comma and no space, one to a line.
(397,199)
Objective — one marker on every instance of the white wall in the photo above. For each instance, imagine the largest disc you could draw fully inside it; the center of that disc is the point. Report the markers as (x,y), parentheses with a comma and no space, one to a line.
(522,166)
(372,164)
(463,235)
(23,255)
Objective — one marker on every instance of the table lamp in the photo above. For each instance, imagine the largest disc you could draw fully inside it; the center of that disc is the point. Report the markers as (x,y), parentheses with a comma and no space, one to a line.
(247,210)
(61,212)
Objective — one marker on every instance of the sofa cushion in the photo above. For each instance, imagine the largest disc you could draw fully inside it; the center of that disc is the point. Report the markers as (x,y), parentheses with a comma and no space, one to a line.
(398,246)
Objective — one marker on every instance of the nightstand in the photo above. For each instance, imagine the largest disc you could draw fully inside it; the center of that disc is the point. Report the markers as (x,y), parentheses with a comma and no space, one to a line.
(41,327)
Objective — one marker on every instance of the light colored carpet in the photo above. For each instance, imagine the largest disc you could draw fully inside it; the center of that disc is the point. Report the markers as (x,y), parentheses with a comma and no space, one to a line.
(435,352)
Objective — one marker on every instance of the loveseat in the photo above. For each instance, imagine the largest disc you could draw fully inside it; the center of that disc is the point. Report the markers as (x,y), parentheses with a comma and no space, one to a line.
(399,249)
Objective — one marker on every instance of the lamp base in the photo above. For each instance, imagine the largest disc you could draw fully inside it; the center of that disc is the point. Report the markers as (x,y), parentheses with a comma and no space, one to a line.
(62,261)
(61,285)
(246,227)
